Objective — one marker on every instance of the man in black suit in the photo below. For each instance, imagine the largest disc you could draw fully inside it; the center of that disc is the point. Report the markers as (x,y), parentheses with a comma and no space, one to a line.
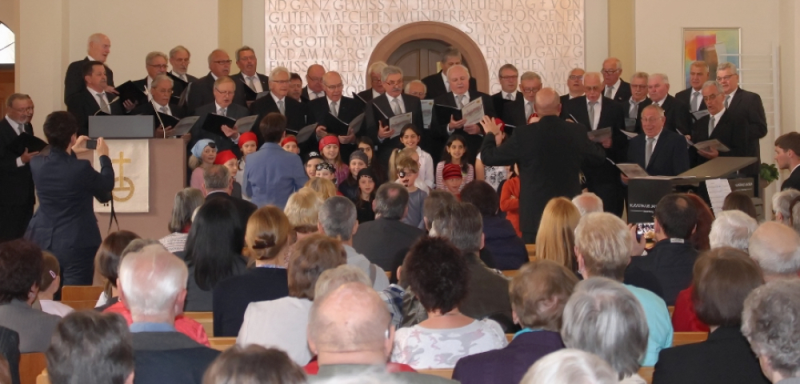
(638,101)
(201,91)
(161,101)
(152,285)
(615,88)
(224,91)
(179,58)
(276,101)
(458,97)
(381,239)
(390,103)
(17,197)
(604,179)
(658,151)
(155,64)
(248,77)
(438,83)
(574,85)
(719,124)
(745,106)
(509,80)
(519,111)
(99,48)
(550,149)
(295,87)
(313,89)
(344,108)
(376,86)
(93,98)
(678,117)
(787,156)
(693,96)
(218,184)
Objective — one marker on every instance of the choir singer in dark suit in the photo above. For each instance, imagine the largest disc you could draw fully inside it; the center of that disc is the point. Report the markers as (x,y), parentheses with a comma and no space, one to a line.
(201,91)
(787,156)
(334,103)
(437,83)
(658,151)
(276,101)
(65,223)
(719,124)
(247,62)
(17,196)
(678,117)
(550,154)
(615,88)
(375,70)
(98,50)
(224,91)
(161,101)
(693,96)
(93,98)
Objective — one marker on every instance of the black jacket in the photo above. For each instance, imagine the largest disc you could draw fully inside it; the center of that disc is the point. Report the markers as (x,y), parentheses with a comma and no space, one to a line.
(435,85)
(73,81)
(670,156)
(380,240)
(671,263)
(169,357)
(439,128)
(201,92)
(83,104)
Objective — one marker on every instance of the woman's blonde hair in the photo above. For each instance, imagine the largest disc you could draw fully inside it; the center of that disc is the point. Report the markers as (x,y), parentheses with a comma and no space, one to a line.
(398,154)
(323,187)
(267,233)
(194,162)
(556,237)
(302,210)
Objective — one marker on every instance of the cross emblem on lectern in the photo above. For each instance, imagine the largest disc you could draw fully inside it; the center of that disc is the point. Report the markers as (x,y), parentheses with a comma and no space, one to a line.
(122,179)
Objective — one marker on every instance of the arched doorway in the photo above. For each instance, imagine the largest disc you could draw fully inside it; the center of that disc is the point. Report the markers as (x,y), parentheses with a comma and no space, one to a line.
(422,43)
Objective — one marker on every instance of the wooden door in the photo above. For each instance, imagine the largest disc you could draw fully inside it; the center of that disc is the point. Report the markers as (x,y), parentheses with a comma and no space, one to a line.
(419,58)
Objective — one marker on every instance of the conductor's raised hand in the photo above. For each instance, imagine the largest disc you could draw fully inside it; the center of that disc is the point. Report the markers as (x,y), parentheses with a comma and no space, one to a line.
(489,126)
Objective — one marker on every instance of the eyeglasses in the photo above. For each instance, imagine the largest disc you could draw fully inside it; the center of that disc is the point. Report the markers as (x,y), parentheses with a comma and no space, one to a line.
(280,81)
(394,83)
(166,91)
(610,71)
(726,78)
(314,79)
(508,77)
(639,86)
(159,66)
(222,62)
(228,93)
(531,90)
(28,109)
(576,77)
(710,97)
(651,120)
(181,60)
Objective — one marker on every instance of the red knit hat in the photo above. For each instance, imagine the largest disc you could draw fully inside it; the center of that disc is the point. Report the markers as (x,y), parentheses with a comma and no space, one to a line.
(224,156)
(500,124)
(451,171)
(328,140)
(288,139)
(245,137)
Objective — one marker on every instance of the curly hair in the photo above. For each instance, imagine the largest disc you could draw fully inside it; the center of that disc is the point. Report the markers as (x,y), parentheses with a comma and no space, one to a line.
(21,265)
(437,273)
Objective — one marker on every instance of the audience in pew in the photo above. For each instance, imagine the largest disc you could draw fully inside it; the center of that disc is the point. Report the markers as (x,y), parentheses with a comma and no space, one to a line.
(723,277)
(186,201)
(781,202)
(741,202)
(253,364)
(538,296)
(570,366)
(776,249)
(106,265)
(267,240)
(555,239)
(302,209)
(50,283)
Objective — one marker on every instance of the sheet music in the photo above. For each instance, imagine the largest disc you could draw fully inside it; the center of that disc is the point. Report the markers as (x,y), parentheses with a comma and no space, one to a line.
(398,122)
(473,112)
(718,189)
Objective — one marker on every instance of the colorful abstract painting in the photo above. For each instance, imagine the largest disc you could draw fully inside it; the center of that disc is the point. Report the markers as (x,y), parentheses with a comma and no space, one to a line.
(711,45)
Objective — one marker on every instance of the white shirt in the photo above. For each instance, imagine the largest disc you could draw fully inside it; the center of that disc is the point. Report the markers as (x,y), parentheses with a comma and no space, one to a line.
(400,100)
(614,89)
(256,82)
(314,95)
(15,127)
(597,109)
(91,58)
(718,116)
(180,76)
(659,102)
(213,75)
(95,94)
(446,83)
(375,94)
(158,107)
(510,96)
(456,97)
(280,323)
(732,94)
(426,169)
(55,308)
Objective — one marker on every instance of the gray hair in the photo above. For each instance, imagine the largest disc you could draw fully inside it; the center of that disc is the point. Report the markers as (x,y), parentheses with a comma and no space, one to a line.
(655,107)
(161,77)
(390,70)
(771,323)
(369,376)
(700,64)
(450,52)
(530,75)
(728,65)
(462,224)
(16,96)
(457,66)
(377,67)
(216,177)
(186,201)
(663,77)
(605,318)
(278,70)
(781,203)
(96,38)
(211,55)
(604,242)
(505,67)
(617,62)
(152,55)
(336,277)
(570,366)
(640,75)
(732,229)
(776,248)
(337,215)
(712,83)
(391,201)
(151,280)
(588,202)
(408,85)
(242,49)
(178,48)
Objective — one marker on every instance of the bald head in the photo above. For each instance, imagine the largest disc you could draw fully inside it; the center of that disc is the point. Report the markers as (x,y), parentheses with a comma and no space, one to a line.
(152,284)
(332,83)
(351,318)
(776,248)
(314,77)
(547,102)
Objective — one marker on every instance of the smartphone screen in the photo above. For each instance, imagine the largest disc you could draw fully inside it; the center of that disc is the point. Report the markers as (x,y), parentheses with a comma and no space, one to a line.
(91,144)
(647,230)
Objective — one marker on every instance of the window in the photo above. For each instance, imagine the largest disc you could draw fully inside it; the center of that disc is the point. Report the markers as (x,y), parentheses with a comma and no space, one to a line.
(6,45)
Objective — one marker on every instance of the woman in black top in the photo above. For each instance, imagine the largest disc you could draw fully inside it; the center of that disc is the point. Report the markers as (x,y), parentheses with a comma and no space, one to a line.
(267,239)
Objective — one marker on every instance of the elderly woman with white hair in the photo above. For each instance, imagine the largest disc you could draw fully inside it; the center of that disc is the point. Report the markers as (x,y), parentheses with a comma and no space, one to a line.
(776,249)
(771,323)
(570,366)
(781,204)
(604,318)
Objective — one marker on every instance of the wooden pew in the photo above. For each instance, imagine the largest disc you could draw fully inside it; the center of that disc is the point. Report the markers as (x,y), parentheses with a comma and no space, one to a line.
(206,319)
(221,343)
(30,366)
(510,273)
(531,248)
(509,337)
(388,274)
(683,338)
(671,309)
(647,374)
(443,373)
(43,378)
(80,292)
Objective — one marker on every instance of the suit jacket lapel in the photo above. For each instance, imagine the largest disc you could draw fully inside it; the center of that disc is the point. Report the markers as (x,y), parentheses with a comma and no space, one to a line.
(737,98)
(383,104)
(582,112)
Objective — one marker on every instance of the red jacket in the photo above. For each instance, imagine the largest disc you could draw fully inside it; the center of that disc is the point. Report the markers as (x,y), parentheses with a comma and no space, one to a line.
(684,319)
(509,204)
(184,325)
(312,368)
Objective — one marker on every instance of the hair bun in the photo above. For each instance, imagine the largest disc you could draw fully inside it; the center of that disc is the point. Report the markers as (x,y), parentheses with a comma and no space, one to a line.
(264,241)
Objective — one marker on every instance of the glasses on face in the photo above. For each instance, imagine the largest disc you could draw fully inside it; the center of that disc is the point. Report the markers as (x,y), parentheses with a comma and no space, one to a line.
(710,97)
(280,81)
(159,66)
(725,78)
(20,110)
(227,93)
(181,61)
(314,79)
(222,62)
(164,91)
(651,120)
(639,86)
(508,77)
(394,83)
(576,77)
(609,71)
(335,86)
(594,88)
(531,90)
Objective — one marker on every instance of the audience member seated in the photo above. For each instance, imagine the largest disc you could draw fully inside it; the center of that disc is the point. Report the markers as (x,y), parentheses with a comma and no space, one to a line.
(152,285)
(794,208)
(672,257)
(218,184)
(325,188)
(106,265)
(50,283)
(705,217)
(253,364)
(499,237)
(438,275)
(282,323)
(603,246)
(587,203)
(781,202)
(266,240)
(771,323)
(302,209)
(436,201)
(740,201)
(730,229)
(213,252)
(337,219)
(570,366)
(776,249)
(9,351)
(538,296)
(605,318)
(21,265)
(186,201)
(555,239)
(90,347)
(202,156)
(348,332)
(380,240)
(723,278)
(185,325)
